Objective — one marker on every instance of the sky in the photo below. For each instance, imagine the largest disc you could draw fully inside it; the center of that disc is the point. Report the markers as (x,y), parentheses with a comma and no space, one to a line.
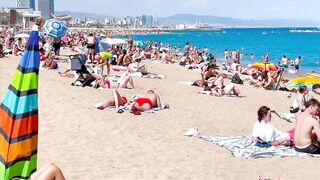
(243,9)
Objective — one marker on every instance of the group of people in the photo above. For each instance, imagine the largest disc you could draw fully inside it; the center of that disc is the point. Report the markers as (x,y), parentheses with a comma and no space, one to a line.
(286,62)
(305,137)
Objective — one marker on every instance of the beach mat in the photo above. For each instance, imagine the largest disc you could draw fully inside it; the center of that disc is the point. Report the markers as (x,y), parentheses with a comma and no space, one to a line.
(244,147)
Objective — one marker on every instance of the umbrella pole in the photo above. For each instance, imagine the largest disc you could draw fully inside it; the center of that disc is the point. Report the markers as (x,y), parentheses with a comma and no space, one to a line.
(281,74)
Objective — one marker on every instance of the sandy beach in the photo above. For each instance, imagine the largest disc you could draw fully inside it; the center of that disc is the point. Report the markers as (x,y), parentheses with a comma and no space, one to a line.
(88,143)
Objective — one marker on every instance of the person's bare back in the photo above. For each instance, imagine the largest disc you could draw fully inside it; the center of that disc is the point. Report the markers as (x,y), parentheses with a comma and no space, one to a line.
(307,131)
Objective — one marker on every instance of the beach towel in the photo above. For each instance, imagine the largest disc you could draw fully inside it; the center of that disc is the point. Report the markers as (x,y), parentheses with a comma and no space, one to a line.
(289,117)
(189,83)
(244,147)
(208,93)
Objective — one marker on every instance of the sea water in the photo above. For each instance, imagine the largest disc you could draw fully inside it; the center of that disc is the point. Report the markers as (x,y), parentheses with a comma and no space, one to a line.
(257,41)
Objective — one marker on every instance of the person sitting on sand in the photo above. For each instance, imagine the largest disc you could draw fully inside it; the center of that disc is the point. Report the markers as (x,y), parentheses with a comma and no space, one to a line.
(140,67)
(48,172)
(122,82)
(269,82)
(316,89)
(146,102)
(50,63)
(208,73)
(307,129)
(264,132)
(302,97)
(218,88)
(1,51)
(19,47)
(116,101)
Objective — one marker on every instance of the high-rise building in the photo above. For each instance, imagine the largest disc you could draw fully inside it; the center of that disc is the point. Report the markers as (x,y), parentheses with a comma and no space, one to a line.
(26,4)
(46,7)
(147,20)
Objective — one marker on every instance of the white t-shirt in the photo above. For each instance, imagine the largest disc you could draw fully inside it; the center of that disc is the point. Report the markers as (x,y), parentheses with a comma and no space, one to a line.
(267,133)
(47,47)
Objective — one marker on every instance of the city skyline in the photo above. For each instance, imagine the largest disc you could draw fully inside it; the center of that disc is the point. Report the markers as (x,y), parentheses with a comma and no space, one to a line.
(243,9)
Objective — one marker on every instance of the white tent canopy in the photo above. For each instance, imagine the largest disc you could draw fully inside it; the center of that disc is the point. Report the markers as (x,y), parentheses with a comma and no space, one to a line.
(113,41)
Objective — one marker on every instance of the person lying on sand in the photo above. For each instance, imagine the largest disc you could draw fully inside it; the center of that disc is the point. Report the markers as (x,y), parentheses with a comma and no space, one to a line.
(122,82)
(146,102)
(264,132)
(116,101)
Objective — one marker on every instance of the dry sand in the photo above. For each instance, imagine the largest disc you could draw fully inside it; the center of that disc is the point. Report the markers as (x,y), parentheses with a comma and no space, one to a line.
(91,144)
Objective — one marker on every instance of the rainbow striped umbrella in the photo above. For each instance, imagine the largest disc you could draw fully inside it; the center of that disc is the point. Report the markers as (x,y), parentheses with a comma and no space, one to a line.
(19,117)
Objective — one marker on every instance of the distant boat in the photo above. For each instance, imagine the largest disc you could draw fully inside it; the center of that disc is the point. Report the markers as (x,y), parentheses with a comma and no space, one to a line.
(304,31)
(264,33)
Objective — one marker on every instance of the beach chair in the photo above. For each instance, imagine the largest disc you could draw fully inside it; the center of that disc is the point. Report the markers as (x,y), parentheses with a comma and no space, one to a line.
(78,65)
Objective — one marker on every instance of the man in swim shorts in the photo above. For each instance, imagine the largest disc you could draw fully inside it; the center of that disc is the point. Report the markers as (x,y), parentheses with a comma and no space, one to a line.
(307,130)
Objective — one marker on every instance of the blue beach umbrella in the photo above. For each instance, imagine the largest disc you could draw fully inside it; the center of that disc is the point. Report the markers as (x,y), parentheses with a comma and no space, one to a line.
(55,28)
(19,117)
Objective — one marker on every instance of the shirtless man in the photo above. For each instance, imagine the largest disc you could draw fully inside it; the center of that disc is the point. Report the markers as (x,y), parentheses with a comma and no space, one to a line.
(307,130)
(268,85)
(146,102)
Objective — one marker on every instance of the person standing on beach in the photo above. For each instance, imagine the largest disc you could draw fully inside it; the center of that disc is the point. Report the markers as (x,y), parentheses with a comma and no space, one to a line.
(104,59)
(284,62)
(91,41)
(56,46)
(226,56)
(252,56)
(297,64)
(187,48)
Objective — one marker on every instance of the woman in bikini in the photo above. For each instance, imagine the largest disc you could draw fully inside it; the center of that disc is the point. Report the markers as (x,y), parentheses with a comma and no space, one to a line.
(116,101)
(122,82)
(218,88)
(50,62)
(146,102)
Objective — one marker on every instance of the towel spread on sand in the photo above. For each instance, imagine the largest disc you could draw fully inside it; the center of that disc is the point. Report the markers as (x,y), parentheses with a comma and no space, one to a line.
(289,117)
(189,83)
(242,146)
(205,93)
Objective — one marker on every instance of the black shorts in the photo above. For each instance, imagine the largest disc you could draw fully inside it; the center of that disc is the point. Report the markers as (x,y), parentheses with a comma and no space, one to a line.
(314,148)
(91,46)
(296,67)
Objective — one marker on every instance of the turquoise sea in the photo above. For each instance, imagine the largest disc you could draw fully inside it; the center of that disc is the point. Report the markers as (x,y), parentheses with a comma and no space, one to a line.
(279,41)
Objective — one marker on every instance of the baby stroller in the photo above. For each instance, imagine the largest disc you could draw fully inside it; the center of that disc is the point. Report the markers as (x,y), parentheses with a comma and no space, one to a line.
(85,78)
